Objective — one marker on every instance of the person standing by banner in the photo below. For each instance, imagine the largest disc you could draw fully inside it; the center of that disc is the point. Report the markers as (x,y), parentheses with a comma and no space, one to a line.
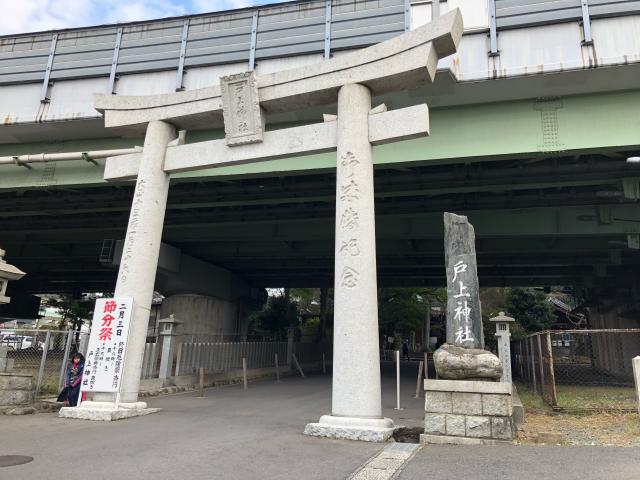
(74,378)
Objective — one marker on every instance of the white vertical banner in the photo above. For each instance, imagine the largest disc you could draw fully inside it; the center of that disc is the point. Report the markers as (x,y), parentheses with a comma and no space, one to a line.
(107,345)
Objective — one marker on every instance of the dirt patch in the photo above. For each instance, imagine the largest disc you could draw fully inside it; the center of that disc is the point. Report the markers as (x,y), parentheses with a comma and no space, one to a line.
(600,428)
(604,429)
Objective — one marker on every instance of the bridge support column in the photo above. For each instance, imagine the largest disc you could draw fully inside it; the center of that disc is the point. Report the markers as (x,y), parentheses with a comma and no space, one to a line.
(136,276)
(356,411)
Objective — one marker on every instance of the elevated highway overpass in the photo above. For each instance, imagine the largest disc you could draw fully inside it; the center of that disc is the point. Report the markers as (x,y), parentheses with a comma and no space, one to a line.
(534,126)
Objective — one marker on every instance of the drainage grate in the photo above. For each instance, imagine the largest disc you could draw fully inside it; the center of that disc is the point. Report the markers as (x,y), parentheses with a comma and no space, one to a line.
(12,460)
(408,435)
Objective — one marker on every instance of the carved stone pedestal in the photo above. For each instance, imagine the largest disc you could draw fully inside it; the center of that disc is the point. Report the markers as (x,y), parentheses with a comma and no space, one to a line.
(106,411)
(468,412)
(352,428)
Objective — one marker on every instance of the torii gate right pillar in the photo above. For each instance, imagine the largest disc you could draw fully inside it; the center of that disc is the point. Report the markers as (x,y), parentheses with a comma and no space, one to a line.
(356,410)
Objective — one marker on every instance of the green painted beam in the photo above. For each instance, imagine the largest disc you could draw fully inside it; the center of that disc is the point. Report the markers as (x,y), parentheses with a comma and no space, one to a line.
(599,122)
(525,222)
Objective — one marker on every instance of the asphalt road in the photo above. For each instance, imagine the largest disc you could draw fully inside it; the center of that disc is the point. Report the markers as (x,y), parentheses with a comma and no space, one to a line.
(441,462)
(257,434)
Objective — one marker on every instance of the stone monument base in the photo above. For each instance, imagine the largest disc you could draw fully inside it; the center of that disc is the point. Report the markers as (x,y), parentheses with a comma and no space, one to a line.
(466,412)
(352,428)
(106,411)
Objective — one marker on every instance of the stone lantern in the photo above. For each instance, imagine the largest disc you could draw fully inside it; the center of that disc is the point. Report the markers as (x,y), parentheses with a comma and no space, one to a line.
(168,327)
(7,272)
(504,344)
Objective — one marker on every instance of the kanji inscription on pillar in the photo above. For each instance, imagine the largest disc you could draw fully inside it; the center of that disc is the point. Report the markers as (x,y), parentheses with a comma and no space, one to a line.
(348,245)
(107,345)
(243,119)
(349,219)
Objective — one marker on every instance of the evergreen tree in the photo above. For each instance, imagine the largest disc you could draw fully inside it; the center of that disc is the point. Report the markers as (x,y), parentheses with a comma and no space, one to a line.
(530,308)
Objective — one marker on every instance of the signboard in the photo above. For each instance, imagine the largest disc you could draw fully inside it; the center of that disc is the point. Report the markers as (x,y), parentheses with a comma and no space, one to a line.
(107,345)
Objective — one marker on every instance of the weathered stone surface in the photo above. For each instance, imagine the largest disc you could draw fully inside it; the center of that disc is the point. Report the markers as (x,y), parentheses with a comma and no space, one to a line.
(438,402)
(464,315)
(307,139)
(450,440)
(10,381)
(403,62)
(499,405)
(502,428)
(467,403)
(457,363)
(243,119)
(435,423)
(387,464)
(455,425)
(349,433)
(15,397)
(471,386)
(352,428)
(481,412)
(478,427)
(104,414)
(6,364)
(21,411)
(141,250)
(518,408)
(356,378)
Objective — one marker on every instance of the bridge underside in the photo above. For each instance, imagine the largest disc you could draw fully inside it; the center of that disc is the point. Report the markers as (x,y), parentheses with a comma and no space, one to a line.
(544,220)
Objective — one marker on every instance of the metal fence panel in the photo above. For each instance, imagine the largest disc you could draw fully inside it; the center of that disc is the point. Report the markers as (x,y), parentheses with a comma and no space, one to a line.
(217,357)
(606,8)
(291,29)
(282,30)
(151,360)
(517,13)
(580,369)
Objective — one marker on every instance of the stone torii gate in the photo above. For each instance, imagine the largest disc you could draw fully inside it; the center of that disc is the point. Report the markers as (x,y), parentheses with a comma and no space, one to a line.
(240,103)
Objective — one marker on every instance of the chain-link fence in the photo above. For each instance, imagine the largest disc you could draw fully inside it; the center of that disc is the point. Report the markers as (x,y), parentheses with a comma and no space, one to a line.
(43,354)
(579,369)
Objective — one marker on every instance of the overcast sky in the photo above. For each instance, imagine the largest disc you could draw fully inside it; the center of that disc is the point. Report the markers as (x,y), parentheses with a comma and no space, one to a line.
(19,16)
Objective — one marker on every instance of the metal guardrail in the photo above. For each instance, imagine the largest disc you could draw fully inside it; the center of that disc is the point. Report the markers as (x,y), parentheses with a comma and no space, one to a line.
(579,369)
(250,34)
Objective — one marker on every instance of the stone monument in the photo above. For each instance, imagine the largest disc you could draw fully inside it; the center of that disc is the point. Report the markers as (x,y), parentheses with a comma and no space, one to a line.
(463,356)
(468,405)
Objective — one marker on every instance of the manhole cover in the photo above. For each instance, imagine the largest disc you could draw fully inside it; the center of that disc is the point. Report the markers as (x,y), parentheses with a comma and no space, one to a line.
(11,460)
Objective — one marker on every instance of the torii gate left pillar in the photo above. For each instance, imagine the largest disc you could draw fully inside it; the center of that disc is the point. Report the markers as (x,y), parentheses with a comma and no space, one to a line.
(136,277)
(137,274)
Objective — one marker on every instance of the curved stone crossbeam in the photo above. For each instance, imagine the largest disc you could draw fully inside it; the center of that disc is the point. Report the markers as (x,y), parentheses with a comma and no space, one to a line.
(400,63)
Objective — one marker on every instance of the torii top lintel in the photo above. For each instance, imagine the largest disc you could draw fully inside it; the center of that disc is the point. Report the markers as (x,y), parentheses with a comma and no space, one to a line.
(404,62)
